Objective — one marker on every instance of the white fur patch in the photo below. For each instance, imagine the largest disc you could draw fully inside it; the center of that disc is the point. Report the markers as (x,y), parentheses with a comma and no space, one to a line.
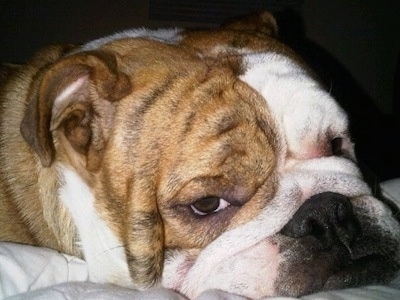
(103,251)
(170,36)
(307,116)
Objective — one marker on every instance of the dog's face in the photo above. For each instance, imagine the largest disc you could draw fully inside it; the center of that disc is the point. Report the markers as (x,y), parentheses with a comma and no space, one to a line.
(214,155)
(322,229)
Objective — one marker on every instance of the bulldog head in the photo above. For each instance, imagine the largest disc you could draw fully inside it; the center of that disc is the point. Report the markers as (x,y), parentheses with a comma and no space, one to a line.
(212,154)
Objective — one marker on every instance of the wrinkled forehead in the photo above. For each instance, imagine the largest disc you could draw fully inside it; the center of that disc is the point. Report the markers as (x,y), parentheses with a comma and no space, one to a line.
(181,81)
(189,108)
(223,135)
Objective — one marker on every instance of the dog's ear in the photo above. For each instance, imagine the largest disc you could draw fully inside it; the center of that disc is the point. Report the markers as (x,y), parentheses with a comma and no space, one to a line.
(262,22)
(71,95)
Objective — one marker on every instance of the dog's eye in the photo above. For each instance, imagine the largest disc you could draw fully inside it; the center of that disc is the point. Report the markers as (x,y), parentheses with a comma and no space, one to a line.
(209,205)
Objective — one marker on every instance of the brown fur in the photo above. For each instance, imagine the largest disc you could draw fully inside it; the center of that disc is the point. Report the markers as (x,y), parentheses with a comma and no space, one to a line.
(36,222)
(148,136)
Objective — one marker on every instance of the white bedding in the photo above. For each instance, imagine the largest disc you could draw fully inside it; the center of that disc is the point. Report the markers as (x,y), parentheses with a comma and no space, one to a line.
(28,272)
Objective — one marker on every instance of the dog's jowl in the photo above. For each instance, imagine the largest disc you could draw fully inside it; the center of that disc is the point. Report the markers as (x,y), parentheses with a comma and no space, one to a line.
(192,160)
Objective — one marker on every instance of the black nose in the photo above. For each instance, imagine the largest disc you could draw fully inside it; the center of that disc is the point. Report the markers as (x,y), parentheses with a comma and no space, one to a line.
(329,217)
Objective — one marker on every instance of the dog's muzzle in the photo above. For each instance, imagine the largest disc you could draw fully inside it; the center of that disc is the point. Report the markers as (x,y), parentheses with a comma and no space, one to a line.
(325,247)
(323,230)
(327,217)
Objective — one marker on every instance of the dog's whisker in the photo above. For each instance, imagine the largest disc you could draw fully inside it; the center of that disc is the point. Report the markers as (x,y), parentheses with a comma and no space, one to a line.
(347,245)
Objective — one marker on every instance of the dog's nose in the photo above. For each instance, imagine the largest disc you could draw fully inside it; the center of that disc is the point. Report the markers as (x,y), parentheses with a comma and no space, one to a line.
(329,217)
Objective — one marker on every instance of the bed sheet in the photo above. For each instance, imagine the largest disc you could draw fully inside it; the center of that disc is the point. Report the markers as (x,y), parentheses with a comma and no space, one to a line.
(28,272)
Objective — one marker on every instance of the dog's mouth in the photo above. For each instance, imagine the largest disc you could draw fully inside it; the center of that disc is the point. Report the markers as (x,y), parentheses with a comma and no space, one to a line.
(327,246)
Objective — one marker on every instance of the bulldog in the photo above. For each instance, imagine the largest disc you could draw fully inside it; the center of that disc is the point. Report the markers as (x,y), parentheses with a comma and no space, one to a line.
(192,160)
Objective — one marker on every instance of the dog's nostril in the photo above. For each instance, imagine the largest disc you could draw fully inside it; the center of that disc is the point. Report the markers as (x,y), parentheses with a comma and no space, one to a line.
(327,216)
(336,146)
(313,227)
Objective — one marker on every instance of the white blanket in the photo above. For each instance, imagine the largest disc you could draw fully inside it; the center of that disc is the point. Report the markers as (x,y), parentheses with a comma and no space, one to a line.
(28,272)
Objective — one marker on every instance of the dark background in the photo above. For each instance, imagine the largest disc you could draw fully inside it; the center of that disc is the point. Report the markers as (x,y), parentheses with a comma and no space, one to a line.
(353,45)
